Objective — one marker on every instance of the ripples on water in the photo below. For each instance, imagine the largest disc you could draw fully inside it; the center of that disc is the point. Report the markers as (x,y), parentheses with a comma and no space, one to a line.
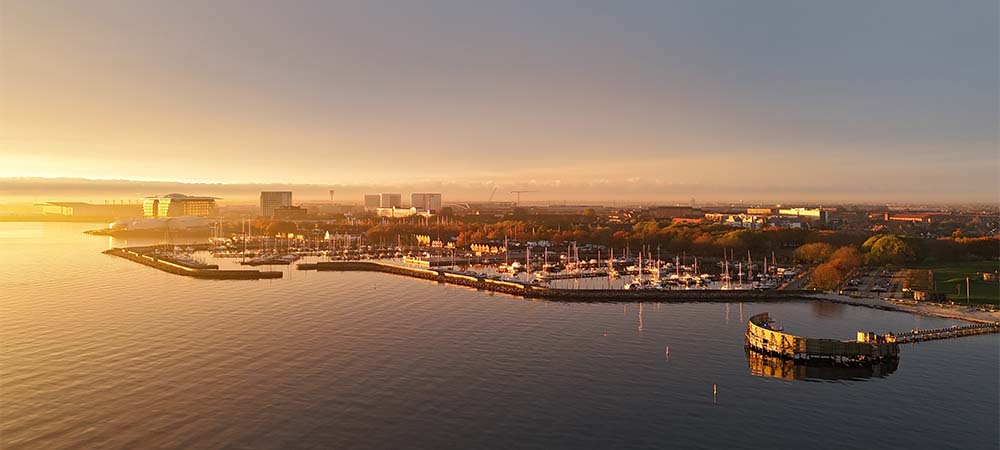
(97,352)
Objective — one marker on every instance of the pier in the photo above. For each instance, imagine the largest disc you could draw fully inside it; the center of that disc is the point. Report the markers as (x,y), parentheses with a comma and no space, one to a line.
(177,267)
(533,290)
(913,336)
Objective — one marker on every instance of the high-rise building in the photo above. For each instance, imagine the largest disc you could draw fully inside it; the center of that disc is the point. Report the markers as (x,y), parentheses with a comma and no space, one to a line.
(390,200)
(270,200)
(177,205)
(372,202)
(426,201)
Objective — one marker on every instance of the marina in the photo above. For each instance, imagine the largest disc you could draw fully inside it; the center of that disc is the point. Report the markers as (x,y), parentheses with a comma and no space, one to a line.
(535,290)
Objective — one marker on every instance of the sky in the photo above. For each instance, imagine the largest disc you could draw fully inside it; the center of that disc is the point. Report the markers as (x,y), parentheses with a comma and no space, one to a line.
(597,100)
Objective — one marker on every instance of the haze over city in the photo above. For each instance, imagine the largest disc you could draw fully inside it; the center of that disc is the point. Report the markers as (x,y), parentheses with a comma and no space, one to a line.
(841,101)
(503,224)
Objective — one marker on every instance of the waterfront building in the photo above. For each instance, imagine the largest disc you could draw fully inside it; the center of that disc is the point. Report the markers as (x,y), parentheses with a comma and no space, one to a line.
(177,205)
(270,200)
(427,202)
(81,209)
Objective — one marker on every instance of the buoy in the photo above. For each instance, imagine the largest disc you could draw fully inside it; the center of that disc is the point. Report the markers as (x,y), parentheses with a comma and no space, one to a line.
(605,334)
(715,389)
(668,349)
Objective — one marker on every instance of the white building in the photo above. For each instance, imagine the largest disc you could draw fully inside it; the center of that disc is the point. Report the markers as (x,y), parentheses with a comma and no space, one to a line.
(425,201)
(271,200)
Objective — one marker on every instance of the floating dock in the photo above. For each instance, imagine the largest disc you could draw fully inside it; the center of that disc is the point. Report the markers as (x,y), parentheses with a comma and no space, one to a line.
(764,336)
(532,290)
(175,267)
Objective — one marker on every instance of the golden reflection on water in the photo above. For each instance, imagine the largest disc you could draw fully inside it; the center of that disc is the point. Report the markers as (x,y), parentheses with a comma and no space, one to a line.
(762,365)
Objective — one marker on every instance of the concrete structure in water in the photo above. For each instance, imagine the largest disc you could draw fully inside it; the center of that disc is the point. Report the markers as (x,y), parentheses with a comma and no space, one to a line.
(764,336)
(178,205)
(271,200)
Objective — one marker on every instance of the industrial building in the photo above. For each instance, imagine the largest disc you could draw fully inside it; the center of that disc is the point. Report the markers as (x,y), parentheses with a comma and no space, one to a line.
(426,202)
(178,205)
(271,200)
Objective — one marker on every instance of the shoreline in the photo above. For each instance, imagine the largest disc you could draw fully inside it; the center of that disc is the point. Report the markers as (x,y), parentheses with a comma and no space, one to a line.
(944,312)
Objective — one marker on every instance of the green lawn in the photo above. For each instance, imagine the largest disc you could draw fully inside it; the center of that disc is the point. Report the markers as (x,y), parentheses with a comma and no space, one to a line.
(950,278)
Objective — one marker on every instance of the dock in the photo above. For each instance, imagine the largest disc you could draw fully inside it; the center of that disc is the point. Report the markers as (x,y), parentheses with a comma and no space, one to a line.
(914,336)
(533,290)
(176,267)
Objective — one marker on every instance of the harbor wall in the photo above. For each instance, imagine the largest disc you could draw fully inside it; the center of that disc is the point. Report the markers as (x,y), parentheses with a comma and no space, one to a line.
(569,295)
(207,272)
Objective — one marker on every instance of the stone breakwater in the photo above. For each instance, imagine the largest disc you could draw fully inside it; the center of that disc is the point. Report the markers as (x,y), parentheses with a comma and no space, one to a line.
(178,267)
(530,290)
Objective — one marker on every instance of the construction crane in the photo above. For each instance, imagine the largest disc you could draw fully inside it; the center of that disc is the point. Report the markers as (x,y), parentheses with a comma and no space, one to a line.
(518,202)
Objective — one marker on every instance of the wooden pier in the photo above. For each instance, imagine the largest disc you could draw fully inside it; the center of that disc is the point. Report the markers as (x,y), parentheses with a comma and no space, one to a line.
(205,271)
(533,290)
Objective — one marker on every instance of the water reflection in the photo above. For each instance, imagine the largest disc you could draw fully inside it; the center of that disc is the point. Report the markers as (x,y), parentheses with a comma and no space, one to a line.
(773,367)
(828,309)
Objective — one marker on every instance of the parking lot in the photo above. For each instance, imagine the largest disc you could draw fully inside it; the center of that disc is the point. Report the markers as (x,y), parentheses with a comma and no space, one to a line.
(875,283)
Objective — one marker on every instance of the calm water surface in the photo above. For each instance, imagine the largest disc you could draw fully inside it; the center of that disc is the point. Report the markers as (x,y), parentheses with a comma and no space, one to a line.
(98,352)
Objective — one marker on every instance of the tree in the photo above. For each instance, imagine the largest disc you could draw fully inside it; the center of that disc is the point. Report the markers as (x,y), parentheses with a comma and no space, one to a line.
(826,277)
(815,252)
(889,249)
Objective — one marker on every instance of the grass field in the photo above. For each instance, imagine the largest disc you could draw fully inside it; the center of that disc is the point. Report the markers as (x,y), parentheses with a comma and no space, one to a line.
(950,279)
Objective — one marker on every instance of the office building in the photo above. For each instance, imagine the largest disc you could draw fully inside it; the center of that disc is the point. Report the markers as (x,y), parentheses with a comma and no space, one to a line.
(390,200)
(271,200)
(177,205)
(426,202)
(371,202)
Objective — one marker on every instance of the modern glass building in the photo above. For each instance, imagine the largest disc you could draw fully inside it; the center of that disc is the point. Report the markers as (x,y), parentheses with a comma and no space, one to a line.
(177,205)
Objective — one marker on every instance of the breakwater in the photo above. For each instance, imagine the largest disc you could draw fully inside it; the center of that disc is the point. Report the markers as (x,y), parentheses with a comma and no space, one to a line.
(913,336)
(177,267)
(532,290)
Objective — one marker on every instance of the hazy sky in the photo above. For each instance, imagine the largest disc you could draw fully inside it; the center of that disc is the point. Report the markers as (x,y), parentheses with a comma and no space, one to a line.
(893,100)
